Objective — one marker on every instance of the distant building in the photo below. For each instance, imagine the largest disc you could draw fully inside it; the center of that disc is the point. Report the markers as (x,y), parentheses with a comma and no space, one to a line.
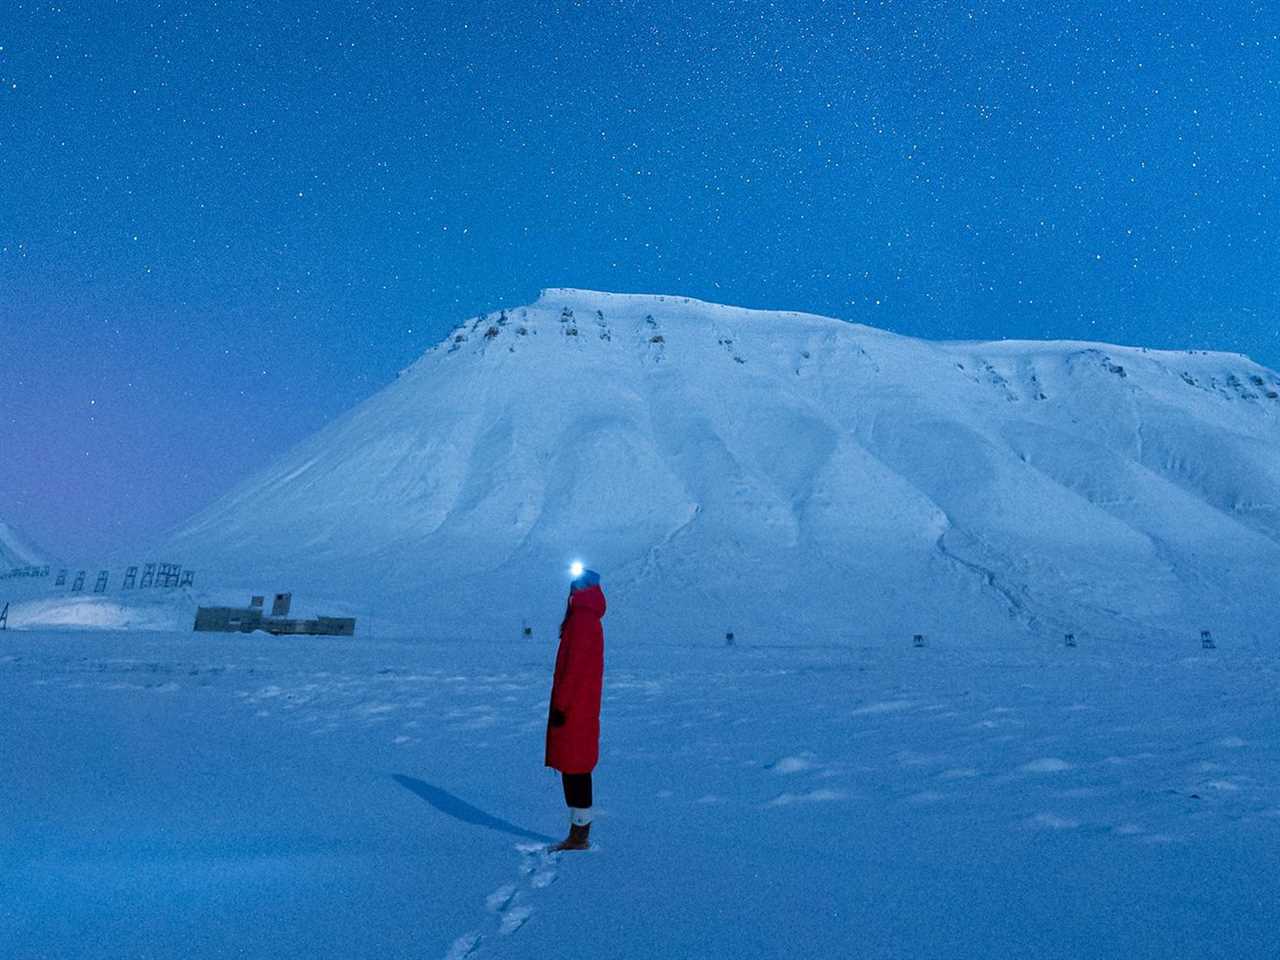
(228,619)
(250,618)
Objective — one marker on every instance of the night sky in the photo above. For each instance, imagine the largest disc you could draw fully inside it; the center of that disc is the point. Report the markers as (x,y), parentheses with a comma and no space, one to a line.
(223,223)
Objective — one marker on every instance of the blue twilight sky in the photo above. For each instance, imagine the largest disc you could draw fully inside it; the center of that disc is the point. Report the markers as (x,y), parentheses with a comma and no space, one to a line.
(224,222)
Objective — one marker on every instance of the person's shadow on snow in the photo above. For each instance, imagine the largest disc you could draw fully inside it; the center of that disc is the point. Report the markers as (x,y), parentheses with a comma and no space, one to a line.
(459,809)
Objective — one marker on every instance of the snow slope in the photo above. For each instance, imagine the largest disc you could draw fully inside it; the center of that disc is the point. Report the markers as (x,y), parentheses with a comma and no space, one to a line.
(783,475)
(38,602)
(16,551)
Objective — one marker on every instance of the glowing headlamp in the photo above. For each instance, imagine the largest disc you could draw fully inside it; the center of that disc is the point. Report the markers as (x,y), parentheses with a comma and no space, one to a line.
(575,569)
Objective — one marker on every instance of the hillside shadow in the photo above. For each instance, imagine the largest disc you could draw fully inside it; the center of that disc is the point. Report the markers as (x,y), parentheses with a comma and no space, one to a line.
(459,809)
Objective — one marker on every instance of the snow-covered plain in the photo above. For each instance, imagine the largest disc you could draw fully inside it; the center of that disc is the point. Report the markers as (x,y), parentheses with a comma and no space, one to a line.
(178,795)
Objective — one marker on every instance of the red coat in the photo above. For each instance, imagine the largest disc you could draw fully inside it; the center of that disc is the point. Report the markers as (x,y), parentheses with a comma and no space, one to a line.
(574,747)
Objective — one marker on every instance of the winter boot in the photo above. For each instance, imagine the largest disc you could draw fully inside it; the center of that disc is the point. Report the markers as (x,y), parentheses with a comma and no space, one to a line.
(577,839)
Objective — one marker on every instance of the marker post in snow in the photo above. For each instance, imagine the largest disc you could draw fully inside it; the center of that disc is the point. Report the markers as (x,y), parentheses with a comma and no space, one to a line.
(1206,641)
(728,638)
(1070,640)
(918,640)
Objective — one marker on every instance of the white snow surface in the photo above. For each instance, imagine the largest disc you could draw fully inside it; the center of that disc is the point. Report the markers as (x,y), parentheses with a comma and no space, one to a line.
(117,611)
(207,796)
(16,550)
(731,469)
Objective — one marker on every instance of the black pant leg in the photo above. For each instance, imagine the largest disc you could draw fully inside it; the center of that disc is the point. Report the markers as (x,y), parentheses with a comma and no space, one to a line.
(577,790)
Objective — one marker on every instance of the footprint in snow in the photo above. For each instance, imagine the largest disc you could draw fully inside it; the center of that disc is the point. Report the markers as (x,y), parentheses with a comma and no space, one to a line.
(465,946)
(538,864)
(503,902)
(514,919)
(537,869)
(501,898)
(534,856)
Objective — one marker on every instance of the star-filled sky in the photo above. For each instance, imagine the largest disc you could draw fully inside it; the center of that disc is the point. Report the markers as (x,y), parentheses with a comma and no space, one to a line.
(223,223)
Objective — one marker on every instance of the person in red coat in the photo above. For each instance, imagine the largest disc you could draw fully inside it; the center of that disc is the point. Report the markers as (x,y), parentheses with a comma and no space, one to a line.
(573,724)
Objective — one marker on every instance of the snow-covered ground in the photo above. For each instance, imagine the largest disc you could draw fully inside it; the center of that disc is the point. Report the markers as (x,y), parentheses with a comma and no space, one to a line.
(16,550)
(179,795)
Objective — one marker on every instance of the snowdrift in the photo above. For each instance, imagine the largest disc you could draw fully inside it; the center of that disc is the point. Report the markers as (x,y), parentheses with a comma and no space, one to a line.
(790,477)
(82,611)
(17,551)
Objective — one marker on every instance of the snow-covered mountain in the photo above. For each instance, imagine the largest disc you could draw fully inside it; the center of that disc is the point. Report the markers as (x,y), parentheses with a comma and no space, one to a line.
(790,477)
(16,550)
